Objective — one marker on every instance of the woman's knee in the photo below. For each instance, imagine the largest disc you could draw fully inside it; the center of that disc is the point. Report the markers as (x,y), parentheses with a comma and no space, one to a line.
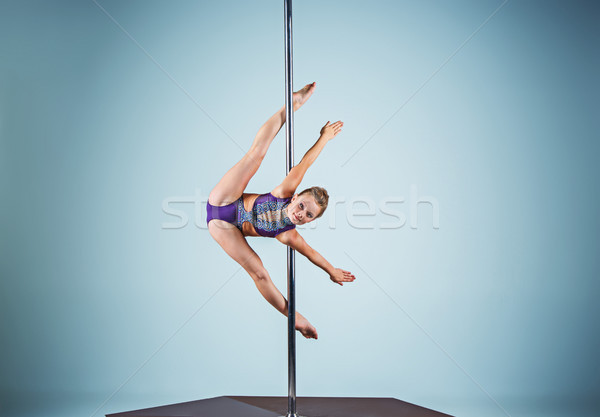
(260,274)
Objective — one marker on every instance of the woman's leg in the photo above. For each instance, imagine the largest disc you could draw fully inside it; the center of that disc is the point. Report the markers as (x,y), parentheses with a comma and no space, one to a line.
(236,246)
(234,182)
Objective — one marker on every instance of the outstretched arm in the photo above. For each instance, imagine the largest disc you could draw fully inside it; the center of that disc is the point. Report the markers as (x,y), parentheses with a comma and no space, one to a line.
(288,187)
(293,239)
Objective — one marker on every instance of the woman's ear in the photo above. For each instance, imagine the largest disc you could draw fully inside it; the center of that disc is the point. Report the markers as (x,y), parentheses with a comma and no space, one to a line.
(294,197)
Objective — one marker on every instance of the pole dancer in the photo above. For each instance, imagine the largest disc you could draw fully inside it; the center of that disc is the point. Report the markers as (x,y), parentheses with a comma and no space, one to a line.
(233,214)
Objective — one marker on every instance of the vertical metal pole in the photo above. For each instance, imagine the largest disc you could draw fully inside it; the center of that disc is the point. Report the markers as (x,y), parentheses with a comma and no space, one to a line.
(289,164)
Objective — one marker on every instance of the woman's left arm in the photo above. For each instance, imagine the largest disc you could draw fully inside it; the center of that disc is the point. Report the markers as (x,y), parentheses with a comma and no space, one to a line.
(294,178)
(293,239)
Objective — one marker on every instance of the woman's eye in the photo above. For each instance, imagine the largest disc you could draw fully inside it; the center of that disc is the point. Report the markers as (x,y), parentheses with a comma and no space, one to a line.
(302,206)
(309,216)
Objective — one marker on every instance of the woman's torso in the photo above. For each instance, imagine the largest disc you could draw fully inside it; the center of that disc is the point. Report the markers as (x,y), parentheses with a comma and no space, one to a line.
(247,227)
(264,215)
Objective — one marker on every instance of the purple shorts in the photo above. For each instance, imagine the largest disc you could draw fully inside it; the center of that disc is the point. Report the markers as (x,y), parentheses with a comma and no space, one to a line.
(227,213)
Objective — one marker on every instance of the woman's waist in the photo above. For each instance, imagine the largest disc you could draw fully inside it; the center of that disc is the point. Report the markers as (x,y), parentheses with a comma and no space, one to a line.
(249,200)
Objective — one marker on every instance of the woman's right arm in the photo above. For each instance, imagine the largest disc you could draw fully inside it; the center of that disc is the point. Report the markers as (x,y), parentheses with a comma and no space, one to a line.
(293,239)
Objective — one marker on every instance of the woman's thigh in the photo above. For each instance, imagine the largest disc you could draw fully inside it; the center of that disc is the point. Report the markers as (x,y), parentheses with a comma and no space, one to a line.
(232,241)
(234,182)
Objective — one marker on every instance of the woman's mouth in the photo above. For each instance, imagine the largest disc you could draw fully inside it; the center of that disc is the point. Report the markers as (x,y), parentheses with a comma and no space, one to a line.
(295,217)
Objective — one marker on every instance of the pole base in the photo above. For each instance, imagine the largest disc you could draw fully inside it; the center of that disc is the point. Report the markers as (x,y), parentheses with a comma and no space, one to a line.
(278,407)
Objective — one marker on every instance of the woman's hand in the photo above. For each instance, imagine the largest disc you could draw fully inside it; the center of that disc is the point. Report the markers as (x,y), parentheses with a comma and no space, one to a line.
(339,276)
(330,131)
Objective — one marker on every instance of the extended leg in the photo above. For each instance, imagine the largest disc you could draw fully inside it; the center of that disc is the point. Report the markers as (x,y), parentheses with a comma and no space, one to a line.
(232,241)
(234,182)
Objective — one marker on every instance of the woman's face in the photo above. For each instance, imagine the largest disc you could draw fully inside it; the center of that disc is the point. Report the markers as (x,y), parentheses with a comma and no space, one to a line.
(303,209)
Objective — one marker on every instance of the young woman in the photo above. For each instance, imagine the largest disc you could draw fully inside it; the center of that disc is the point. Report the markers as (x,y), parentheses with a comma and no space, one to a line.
(233,214)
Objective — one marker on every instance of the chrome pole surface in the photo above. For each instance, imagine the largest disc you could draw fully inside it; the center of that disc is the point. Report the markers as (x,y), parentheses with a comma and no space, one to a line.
(289,164)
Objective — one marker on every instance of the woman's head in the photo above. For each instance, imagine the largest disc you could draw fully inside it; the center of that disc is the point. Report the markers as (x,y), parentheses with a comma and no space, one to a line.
(309,205)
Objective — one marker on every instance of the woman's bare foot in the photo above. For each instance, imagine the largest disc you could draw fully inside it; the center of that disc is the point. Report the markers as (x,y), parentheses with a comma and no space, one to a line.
(307,329)
(302,95)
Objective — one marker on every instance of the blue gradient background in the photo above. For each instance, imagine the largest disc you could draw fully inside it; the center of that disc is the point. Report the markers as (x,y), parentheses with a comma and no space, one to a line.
(95,137)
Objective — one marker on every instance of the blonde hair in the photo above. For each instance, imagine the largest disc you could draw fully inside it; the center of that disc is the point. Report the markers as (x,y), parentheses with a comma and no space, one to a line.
(321,198)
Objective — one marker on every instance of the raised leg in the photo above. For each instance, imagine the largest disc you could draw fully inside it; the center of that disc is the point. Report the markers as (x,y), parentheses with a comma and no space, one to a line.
(236,246)
(234,182)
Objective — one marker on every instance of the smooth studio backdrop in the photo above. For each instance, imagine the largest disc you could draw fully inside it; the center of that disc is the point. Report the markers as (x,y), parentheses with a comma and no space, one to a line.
(118,117)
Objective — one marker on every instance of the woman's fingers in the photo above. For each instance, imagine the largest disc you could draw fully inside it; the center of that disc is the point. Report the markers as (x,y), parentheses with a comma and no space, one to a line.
(335,127)
(345,277)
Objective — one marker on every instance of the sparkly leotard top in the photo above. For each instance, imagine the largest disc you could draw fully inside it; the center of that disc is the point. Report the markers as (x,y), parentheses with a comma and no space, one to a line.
(268,215)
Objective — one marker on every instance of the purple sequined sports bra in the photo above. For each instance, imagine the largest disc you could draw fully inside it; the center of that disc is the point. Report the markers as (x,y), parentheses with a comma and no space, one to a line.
(268,214)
